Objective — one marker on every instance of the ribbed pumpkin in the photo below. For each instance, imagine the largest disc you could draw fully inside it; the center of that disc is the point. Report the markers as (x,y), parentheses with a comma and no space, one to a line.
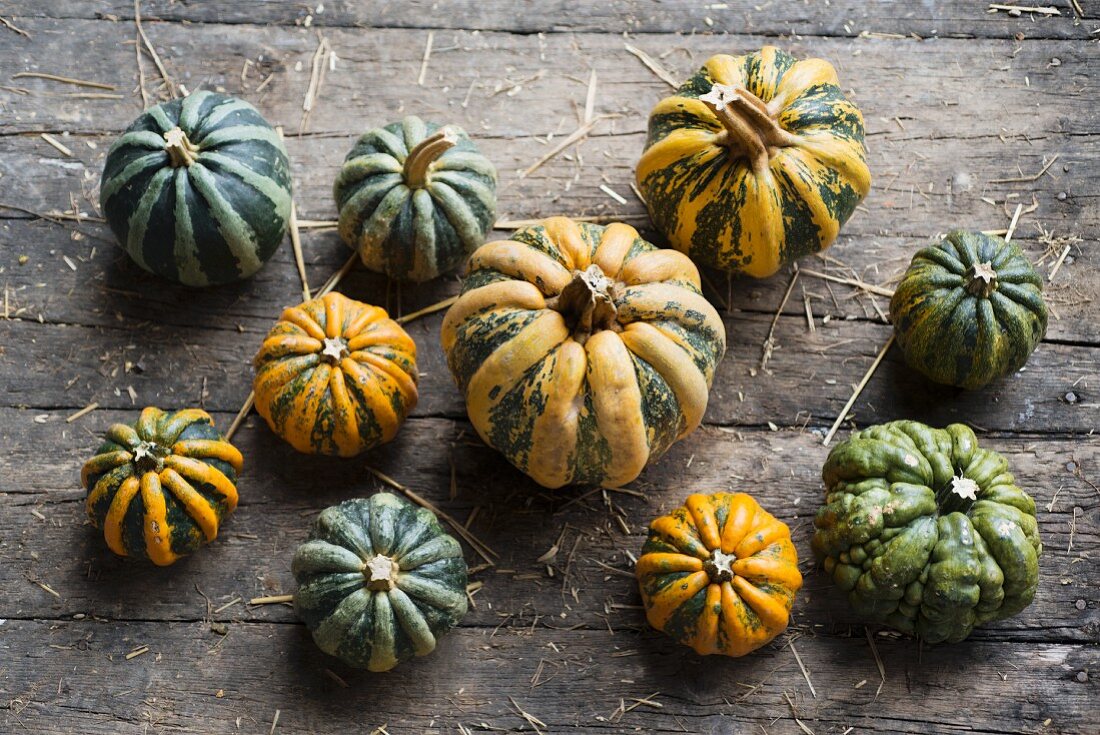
(582,351)
(197,190)
(379,582)
(160,488)
(335,376)
(755,161)
(969,310)
(719,574)
(926,531)
(415,199)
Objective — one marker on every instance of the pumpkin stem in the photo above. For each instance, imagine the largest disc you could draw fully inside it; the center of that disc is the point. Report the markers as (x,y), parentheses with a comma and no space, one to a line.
(424,154)
(149,457)
(981,280)
(334,350)
(719,567)
(181,151)
(381,573)
(748,123)
(587,303)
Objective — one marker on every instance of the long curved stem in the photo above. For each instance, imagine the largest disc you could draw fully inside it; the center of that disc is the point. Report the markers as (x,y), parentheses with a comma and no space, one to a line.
(424,154)
(747,123)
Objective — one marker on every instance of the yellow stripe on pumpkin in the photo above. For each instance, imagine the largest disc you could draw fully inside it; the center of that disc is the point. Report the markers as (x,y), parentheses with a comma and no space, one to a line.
(403,381)
(365,317)
(123,435)
(345,430)
(659,265)
(517,260)
(769,570)
(668,302)
(665,603)
(800,77)
(726,69)
(157,532)
(773,613)
(388,333)
(519,295)
(210,449)
(617,402)
(742,511)
(614,245)
(297,316)
(681,534)
(555,429)
(662,562)
(675,367)
(702,512)
(197,507)
(179,421)
(284,345)
(334,314)
(147,423)
(375,398)
(803,172)
(204,474)
(116,514)
(739,634)
(705,637)
(103,463)
(567,235)
(766,530)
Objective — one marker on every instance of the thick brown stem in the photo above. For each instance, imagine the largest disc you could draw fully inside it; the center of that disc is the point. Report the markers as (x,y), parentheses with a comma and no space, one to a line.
(981,280)
(748,124)
(181,151)
(586,303)
(424,154)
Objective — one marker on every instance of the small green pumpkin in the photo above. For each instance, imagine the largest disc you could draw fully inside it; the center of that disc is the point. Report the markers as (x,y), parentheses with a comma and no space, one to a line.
(415,199)
(379,581)
(926,531)
(160,488)
(969,310)
(197,190)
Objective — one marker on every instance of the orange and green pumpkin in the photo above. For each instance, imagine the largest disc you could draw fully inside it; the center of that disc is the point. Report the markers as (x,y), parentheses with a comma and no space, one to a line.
(159,489)
(757,160)
(719,574)
(335,376)
(582,351)
(969,310)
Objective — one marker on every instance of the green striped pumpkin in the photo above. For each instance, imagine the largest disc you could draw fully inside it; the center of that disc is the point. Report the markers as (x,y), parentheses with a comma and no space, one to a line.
(415,199)
(197,190)
(379,581)
(969,310)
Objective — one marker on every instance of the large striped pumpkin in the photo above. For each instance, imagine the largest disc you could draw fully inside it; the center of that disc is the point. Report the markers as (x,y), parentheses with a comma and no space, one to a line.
(379,581)
(197,190)
(415,199)
(755,161)
(583,351)
(335,376)
(160,488)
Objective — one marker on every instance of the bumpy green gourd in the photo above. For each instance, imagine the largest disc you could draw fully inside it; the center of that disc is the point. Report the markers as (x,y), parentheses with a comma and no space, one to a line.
(969,310)
(379,581)
(415,199)
(197,190)
(926,531)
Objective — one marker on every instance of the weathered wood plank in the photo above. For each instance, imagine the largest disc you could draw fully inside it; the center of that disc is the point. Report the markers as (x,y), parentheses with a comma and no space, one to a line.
(837,18)
(281,493)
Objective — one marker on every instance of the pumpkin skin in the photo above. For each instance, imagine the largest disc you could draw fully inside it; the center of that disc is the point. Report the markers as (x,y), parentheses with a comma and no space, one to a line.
(582,351)
(719,574)
(379,582)
(757,160)
(415,199)
(197,190)
(160,488)
(969,310)
(926,531)
(335,376)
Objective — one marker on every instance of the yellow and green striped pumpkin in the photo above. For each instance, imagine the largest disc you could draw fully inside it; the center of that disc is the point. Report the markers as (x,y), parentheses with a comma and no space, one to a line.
(415,199)
(757,160)
(197,190)
(335,376)
(582,351)
(379,581)
(160,488)
(969,310)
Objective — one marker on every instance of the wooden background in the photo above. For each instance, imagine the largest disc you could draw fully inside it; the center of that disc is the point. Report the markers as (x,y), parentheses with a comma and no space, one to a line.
(964,107)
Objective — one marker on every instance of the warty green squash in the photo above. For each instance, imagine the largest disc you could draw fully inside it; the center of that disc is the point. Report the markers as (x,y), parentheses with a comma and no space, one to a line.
(755,161)
(583,351)
(197,190)
(969,310)
(925,531)
(415,199)
(379,581)
(160,488)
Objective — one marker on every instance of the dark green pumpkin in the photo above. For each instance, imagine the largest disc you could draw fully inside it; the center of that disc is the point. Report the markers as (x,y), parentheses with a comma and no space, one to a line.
(197,190)
(969,310)
(379,581)
(160,488)
(415,199)
(926,531)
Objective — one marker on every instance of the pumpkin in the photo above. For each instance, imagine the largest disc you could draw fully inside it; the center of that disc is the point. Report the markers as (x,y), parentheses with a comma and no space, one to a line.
(969,310)
(159,489)
(379,582)
(926,531)
(415,199)
(719,574)
(197,190)
(755,161)
(582,351)
(335,376)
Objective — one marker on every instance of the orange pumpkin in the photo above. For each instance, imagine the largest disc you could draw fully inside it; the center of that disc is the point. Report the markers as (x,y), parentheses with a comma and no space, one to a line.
(719,574)
(335,376)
